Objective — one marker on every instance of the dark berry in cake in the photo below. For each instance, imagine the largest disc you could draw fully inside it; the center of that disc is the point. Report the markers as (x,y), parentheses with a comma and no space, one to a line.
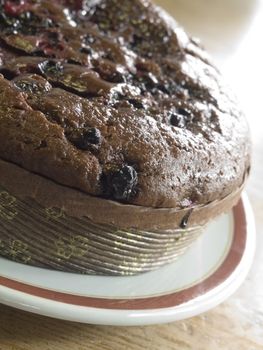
(113,98)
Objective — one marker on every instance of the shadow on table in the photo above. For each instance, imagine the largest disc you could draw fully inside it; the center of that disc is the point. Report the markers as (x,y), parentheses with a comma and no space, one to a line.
(24,331)
(21,331)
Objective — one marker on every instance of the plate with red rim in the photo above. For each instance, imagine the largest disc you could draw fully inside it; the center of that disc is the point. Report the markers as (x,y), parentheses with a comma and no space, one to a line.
(207,274)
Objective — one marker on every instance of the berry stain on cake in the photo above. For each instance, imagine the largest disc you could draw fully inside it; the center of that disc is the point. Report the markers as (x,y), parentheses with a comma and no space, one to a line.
(113,98)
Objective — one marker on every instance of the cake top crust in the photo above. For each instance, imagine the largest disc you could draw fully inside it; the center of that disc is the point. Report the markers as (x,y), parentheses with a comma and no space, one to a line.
(113,98)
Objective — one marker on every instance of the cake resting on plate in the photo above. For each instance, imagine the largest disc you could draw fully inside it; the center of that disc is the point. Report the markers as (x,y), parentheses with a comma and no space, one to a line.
(119,138)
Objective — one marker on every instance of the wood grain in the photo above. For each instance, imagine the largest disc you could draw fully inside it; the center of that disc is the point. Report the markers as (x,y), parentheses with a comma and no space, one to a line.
(238,323)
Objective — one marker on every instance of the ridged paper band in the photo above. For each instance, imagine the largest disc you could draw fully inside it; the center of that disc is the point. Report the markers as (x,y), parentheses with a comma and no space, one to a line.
(48,237)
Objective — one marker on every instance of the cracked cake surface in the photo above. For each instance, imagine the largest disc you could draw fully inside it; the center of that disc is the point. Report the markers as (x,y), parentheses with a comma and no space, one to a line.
(113,98)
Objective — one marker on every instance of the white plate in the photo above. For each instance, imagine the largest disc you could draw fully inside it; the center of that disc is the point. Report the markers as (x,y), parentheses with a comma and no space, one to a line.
(209,272)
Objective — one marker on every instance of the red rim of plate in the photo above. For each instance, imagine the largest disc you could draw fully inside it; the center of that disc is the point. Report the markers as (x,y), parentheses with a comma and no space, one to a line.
(227,267)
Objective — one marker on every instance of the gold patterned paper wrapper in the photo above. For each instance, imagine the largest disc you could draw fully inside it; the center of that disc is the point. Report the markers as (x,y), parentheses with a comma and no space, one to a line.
(49,238)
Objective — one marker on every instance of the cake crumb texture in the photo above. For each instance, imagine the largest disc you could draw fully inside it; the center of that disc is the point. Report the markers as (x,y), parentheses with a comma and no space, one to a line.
(114,99)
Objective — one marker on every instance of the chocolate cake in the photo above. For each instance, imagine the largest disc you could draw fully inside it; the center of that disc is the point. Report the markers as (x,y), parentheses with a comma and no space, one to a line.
(111,102)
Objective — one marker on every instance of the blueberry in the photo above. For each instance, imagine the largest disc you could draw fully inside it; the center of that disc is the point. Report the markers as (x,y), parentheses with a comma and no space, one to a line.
(85,138)
(87,50)
(124,183)
(15,18)
(54,37)
(92,136)
(185,219)
(31,85)
(184,112)
(136,103)
(181,118)
(49,67)
(136,41)
(121,184)
(51,43)
(149,80)
(89,39)
(26,16)
(75,5)
(117,77)
(177,120)
(8,24)
(109,73)
(3,19)
(86,42)
(26,86)
(47,23)
(165,88)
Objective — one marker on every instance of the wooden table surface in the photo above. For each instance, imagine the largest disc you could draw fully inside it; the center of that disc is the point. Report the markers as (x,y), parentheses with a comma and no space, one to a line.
(232,30)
